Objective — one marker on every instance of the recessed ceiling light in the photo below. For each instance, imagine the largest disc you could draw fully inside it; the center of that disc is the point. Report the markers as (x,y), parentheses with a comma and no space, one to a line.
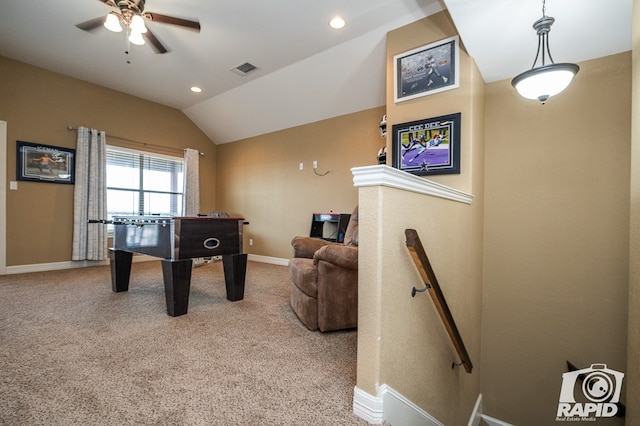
(196,89)
(337,23)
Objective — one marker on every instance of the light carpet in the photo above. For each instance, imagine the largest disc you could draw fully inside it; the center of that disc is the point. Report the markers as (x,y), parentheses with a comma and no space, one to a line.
(73,352)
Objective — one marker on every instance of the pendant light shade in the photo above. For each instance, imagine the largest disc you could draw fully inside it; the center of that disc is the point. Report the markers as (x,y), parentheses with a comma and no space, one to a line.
(112,23)
(543,82)
(137,24)
(546,80)
(136,38)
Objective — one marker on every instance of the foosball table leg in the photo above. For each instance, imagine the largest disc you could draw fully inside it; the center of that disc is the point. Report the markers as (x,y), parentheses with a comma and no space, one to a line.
(177,281)
(120,262)
(235,271)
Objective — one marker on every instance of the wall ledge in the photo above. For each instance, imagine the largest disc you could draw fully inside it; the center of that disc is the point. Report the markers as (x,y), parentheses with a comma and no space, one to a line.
(382,175)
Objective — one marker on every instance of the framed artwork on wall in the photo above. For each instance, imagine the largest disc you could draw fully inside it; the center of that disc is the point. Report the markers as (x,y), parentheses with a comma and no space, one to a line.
(45,163)
(426,70)
(428,147)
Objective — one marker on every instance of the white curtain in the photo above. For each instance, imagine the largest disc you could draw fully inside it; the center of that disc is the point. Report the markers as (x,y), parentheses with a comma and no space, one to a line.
(90,196)
(191,182)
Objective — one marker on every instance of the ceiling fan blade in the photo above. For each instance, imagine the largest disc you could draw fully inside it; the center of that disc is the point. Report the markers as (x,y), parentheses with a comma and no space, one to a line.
(155,43)
(165,19)
(91,24)
(109,3)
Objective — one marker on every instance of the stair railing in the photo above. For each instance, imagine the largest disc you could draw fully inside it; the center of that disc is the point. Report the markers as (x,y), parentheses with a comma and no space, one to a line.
(433,288)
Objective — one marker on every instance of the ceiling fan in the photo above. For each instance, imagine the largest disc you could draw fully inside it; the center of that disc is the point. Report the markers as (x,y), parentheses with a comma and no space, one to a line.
(132,16)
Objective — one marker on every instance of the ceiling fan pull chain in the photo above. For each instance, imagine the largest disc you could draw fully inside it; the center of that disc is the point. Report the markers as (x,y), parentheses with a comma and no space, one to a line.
(127,51)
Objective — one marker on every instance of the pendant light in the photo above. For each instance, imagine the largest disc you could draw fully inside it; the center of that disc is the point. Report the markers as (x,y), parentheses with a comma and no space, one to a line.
(546,80)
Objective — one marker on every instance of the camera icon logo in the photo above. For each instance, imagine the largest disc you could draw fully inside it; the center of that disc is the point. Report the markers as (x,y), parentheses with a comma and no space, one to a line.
(598,385)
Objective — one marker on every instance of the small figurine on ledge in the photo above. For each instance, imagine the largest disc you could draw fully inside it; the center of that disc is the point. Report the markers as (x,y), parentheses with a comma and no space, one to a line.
(382,127)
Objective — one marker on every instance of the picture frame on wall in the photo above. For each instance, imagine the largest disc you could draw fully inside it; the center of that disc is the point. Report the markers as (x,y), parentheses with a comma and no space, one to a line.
(45,163)
(428,147)
(426,70)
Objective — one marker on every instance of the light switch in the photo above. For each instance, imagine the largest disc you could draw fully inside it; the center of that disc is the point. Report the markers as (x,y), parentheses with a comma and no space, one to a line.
(13,185)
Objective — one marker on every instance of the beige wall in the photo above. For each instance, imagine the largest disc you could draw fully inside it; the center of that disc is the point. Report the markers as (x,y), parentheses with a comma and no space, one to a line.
(401,340)
(467,99)
(556,238)
(259,178)
(633,343)
(38,105)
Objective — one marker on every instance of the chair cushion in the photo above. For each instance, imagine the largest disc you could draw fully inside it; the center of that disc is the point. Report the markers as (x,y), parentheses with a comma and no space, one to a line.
(342,256)
(351,234)
(306,246)
(304,275)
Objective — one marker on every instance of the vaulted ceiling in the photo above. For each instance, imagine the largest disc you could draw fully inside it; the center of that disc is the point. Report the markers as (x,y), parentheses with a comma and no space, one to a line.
(306,71)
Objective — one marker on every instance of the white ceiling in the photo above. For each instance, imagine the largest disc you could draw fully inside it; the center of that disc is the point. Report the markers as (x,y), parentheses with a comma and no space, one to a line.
(306,71)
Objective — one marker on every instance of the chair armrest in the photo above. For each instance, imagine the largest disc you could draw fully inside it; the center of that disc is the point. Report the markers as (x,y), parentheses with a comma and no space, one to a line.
(340,255)
(306,246)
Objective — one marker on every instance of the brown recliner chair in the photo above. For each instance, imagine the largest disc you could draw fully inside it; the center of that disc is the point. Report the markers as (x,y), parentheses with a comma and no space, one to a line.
(324,280)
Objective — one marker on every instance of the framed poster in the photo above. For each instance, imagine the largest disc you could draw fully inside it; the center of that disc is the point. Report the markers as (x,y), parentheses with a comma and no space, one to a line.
(428,147)
(426,70)
(45,163)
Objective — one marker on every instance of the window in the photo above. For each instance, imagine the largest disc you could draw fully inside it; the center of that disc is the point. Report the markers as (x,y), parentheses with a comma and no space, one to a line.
(143,183)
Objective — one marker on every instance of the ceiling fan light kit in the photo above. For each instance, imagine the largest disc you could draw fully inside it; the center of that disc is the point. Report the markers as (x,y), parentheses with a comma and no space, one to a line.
(546,80)
(132,17)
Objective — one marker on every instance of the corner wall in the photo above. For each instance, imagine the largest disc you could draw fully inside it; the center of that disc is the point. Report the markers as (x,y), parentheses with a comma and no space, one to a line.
(402,342)
(556,238)
(633,344)
(260,179)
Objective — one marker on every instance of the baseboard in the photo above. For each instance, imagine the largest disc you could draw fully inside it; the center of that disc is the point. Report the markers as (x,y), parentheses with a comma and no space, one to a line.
(43,267)
(56,266)
(390,406)
(72,264)
(269,259)
(476,414)
(494,422)
(367,406)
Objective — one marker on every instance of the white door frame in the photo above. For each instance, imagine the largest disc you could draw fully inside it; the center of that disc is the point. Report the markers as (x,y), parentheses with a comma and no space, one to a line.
(3,197)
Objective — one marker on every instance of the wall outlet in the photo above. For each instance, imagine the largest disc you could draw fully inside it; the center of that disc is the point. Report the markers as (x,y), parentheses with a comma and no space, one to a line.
(301,166)
(315,164)
(13,185)
(250,241)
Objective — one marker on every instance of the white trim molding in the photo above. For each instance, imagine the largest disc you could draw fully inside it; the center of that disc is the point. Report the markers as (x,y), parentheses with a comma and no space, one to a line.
(56,266)
(382,175)
(367,406)
(3,197)
(494,422)
(390,406)
(268,259)
(476,414)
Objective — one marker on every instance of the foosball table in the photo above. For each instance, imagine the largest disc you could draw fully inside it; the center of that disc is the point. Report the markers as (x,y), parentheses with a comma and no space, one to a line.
(177,241)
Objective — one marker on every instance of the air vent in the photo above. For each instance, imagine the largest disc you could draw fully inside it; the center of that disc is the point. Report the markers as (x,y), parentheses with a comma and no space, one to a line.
(244,69)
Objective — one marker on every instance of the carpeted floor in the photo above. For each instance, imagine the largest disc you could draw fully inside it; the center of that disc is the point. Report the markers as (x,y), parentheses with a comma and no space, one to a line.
(72,352)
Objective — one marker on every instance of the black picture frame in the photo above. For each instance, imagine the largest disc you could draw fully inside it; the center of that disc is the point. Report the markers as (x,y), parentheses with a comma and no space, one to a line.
(428,147)
(426,70)
(45,163)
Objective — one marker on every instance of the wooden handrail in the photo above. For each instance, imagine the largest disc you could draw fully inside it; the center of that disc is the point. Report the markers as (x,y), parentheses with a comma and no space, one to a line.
(429,277)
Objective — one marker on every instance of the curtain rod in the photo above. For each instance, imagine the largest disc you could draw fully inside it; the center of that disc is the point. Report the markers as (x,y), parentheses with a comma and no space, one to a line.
(138,142)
